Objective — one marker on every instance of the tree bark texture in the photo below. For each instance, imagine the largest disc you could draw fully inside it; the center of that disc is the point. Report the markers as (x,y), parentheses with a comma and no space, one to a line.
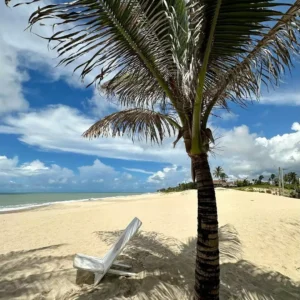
(207,274)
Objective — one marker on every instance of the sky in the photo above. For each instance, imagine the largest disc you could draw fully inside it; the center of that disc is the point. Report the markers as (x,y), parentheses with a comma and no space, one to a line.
(45,109)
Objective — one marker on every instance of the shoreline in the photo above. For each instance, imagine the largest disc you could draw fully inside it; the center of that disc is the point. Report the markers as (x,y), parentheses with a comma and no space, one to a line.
(125,197)
(35,206)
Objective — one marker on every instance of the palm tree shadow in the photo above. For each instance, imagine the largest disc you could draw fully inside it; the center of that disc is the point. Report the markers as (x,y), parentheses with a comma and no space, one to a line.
(244,280)
(165,268)
(32,274)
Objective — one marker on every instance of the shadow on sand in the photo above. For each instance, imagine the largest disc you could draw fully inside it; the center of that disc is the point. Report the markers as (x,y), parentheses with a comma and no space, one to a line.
(165,268)
(32,274)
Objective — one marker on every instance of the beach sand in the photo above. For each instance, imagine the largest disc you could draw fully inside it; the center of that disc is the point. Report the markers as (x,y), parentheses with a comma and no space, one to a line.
(259,244)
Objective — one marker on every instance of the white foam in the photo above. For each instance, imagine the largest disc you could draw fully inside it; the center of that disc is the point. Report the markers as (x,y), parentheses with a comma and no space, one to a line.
(21,207)
(34,205)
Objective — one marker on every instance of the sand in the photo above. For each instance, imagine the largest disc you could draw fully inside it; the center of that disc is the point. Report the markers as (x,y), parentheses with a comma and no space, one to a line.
(259,244)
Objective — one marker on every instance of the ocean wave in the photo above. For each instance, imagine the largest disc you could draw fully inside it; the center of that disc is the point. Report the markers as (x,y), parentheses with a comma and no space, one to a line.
(19,207)
(28,206)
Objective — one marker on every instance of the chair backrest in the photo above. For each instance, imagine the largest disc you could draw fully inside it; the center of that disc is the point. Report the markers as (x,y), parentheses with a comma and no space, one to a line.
(120,244)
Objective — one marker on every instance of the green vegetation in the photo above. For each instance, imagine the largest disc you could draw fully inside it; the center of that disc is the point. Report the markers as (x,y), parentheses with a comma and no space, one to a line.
(290,181)
(272,178)
(244,182)
(218,172)
(295,193)
(223,177)
(264,185)
(291,178)
(180,187)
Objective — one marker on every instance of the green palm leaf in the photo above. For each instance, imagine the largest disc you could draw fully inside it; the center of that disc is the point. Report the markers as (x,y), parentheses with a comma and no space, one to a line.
(265,61)
(218,171)
(116,34)
(135,122)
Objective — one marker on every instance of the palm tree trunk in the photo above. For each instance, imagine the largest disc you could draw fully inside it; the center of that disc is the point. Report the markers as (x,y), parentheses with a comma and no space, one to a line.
(207,275)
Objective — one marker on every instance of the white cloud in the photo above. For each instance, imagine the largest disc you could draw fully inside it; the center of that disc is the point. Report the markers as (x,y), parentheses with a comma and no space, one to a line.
(100,106)
(296,126)
(98,180)
(138,170)
(157,177)
(170,176)
(34,166)
(22,49)
(60,128)
(226,116)
(11,78)
(128,176)
(99,172)
(7,164)
(280,98)
(33,174)
(32,50)
(37,175)
(96,169)
(246,153)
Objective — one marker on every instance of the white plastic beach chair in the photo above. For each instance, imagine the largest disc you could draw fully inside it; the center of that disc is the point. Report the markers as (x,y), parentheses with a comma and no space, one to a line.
(101,266)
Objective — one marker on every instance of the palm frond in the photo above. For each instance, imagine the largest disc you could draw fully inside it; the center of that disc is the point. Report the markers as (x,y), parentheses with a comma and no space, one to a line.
(135,123)
(134,89)
(111,37)
(264,62)
(220,49)
(240,25)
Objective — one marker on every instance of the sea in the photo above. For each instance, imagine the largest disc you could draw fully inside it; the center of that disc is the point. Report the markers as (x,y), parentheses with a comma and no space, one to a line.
(18,201)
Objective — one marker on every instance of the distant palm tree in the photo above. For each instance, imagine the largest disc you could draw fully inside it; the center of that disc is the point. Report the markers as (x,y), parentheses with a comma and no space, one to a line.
(223,177)
(272,178)
(260,178)
(286,178)
(218,171)
(170,63)
(293,178)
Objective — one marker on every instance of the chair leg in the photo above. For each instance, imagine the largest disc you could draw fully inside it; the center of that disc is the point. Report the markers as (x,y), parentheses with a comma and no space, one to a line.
(119,264)
(98,277)
(121,273)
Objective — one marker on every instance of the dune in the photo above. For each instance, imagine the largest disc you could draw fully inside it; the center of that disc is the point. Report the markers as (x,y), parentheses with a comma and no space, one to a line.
(259,247)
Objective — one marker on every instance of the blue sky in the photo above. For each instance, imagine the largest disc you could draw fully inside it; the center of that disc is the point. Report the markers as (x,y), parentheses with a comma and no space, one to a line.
(44,110)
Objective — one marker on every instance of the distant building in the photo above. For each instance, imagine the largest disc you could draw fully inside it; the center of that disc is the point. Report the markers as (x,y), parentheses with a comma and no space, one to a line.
(218,183)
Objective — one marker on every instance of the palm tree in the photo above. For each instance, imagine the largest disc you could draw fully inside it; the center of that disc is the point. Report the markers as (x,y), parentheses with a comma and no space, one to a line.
(272,177)
(292,177)
(170,63)
(223,176)
(218,171)
(260,178)
(286,178)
